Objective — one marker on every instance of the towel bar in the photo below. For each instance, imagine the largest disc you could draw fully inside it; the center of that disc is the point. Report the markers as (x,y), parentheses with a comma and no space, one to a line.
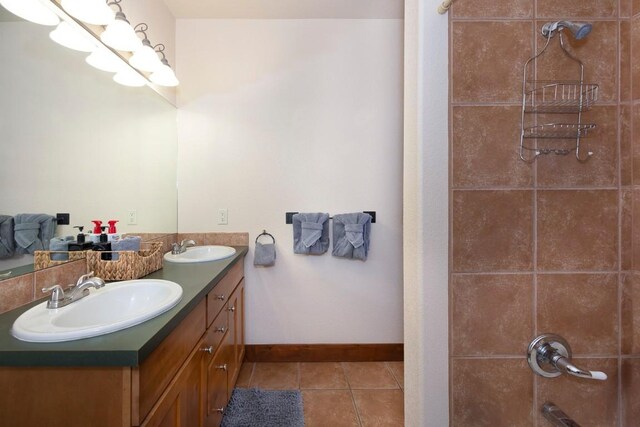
(289,216)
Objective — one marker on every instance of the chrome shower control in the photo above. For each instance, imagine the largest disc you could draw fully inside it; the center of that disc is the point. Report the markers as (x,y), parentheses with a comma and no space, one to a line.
(549,355)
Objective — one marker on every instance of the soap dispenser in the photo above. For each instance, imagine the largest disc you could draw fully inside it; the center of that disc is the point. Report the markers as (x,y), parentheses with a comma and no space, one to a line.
(80,243)
(112,233)
(103,245)
(97,230)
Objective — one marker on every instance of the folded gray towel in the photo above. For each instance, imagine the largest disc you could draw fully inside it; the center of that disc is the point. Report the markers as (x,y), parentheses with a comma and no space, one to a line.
(128,243)
(310,233)
(60,244)
(351,234)
(7,246)
(32,232)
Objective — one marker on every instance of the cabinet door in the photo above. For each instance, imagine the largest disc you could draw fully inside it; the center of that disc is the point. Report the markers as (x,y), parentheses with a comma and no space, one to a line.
(179,405)
(236,327)
(216,371)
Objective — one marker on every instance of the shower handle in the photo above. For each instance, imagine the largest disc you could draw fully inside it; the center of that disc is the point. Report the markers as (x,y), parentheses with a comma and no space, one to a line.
(549,355)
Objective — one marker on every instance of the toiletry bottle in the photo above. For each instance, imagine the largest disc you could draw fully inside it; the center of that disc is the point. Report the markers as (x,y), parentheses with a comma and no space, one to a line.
(97,230)
(80,244)
(103,245)
(112,233)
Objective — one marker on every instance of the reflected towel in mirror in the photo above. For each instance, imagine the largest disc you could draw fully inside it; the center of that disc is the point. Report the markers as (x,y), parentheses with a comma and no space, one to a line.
(7,246)
(32,232)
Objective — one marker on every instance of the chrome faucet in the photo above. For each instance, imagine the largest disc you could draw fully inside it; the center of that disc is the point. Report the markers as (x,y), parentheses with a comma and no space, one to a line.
(80,290)
(177,249)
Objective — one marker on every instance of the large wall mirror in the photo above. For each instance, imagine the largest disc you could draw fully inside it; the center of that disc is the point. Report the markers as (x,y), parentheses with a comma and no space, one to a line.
(72,140)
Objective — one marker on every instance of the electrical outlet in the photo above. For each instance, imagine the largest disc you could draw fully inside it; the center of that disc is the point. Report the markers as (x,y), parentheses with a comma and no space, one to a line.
(132,217)
(223,216)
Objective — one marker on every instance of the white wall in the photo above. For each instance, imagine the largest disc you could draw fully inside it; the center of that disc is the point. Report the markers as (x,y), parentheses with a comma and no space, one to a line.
(298,115)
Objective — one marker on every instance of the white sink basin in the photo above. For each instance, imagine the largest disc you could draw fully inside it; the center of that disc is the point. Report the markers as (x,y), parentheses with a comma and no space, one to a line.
(201,254)
(116,306)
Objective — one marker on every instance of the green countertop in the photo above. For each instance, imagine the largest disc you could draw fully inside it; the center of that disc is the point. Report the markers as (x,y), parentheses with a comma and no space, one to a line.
(128,347)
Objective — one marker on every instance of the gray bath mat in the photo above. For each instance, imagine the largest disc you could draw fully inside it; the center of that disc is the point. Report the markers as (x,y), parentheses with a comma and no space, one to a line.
(264,408)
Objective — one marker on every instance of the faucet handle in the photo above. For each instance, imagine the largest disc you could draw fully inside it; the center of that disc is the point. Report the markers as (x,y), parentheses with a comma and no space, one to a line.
(57,293)
(84,277)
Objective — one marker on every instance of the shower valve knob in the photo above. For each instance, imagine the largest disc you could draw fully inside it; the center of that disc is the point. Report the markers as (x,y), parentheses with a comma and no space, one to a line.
(549,355)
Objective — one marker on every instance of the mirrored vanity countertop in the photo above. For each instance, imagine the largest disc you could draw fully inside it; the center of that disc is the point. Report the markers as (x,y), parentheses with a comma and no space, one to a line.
(128,347)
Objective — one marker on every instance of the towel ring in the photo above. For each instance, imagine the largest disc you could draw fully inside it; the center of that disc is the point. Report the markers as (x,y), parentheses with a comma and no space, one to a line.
(264,233)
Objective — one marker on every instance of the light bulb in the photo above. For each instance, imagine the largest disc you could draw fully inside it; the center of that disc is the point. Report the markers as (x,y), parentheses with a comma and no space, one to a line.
(145,58)
(128,77)
(105,60)
(164,76)
(120,35)
(67,36)
(94,12)
(31,10)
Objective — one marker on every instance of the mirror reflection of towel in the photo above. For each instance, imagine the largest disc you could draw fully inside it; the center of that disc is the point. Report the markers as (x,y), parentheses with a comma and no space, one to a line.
(351,233)
(7,246)
(310,233)
(32,232)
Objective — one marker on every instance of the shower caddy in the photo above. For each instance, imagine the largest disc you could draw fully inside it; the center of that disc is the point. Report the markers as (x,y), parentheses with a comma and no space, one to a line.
(543,97)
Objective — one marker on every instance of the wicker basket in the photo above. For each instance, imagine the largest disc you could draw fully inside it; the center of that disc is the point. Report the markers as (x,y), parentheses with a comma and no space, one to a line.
(129,265)
(42,259)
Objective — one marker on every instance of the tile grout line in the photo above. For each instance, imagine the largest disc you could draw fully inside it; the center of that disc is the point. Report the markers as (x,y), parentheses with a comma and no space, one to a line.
(353,399)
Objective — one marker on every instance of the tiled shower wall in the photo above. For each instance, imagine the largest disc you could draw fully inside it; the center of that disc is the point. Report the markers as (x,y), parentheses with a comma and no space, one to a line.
(546,246)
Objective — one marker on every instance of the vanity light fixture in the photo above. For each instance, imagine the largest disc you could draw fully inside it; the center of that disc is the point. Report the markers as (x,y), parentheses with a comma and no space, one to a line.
(145,58)
(69,37)
(119,34)
(129,77)
(103,59)
(163,76)
(31,10)
(95,12)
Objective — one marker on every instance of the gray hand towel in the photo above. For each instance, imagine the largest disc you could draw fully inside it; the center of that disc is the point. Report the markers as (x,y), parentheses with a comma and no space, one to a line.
(264,255)
(310,233)
(351,234)
(7,246)
(128,243)
(32,232)
(60,244)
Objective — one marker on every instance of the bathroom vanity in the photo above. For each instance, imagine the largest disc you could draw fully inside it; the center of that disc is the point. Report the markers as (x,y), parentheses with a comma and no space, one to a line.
(177,369)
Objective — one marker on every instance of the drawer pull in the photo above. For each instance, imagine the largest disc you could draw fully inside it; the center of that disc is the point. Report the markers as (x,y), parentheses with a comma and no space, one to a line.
(219,410)
(221,330)
(220,297)
(231,309)
(223,367)
(207,349)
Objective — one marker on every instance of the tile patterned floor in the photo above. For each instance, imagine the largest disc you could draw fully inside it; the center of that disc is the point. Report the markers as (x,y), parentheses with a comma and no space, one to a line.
(349,394)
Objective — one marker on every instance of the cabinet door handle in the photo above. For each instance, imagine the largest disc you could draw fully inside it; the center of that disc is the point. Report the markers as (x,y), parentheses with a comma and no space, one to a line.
(207,349)
(220,297)
(231,308)
(223,367)
(219,410)
(221,330)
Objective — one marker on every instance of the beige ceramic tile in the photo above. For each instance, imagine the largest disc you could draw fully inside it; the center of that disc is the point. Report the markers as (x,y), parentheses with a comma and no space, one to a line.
(484,392)
(484,60)
(484,150)
(380,407)
(588,402)
(582,8)
(577,230)
(244,377)
(492,9)
(196,237)
(227,239)
(322,376)
(492,231)
(491,314)
(582,308)
(329,408)
(369,375)
(397,369)
(15,292)
(275,376)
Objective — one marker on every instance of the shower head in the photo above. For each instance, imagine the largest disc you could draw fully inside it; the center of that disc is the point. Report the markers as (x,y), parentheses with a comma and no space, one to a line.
(579,30)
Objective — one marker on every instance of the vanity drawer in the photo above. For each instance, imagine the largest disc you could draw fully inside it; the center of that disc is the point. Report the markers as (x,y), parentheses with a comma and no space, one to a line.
(215,332)
(150,379)
(217,298)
